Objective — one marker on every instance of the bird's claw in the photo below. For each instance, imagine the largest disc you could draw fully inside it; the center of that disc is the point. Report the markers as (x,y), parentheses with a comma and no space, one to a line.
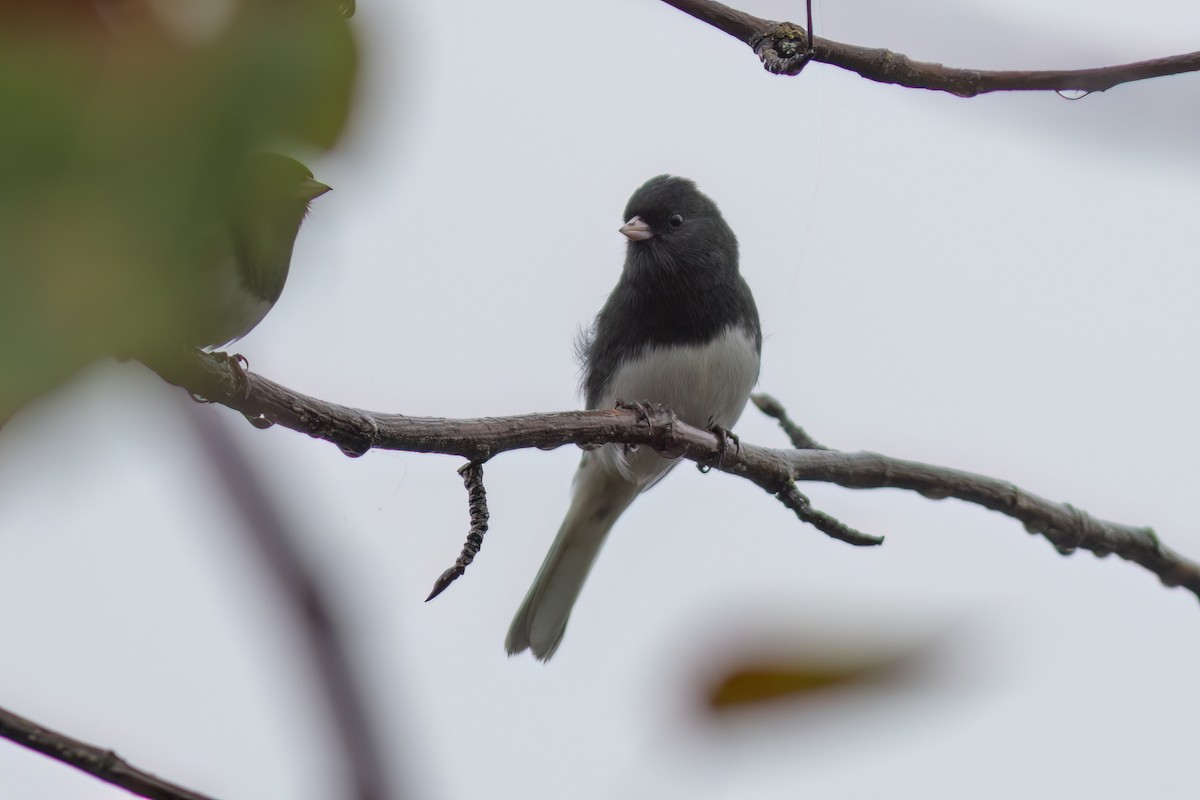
(644,409)
(238,365)
(651,415)
(724,437)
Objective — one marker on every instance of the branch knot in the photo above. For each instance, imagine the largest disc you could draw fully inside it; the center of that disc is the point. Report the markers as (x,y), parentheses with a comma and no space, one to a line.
(782,47)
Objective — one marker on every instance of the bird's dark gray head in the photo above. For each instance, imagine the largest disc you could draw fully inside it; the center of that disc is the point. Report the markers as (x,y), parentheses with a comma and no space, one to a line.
(671,223)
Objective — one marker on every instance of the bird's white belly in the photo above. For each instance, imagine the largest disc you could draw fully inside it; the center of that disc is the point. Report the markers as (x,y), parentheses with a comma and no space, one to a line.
(703,383)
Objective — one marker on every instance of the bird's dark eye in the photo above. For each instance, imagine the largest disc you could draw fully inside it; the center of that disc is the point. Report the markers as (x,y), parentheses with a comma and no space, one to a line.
(675,220)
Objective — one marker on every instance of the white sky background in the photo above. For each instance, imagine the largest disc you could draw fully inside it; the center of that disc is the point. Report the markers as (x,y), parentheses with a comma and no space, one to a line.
(1005,285)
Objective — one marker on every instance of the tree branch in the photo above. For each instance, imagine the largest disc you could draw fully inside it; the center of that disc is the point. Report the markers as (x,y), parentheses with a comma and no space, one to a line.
(781,47)
(96,761)
(356,431)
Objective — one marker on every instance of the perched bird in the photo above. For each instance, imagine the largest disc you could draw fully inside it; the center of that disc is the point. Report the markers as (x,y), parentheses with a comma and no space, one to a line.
(252,246)
(680,329)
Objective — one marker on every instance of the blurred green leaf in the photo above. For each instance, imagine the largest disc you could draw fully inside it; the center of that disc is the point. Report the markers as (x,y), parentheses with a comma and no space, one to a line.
(119,141)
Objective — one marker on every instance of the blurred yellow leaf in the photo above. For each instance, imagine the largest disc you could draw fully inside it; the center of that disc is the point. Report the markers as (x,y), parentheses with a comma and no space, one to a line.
(762,683)
(775,671)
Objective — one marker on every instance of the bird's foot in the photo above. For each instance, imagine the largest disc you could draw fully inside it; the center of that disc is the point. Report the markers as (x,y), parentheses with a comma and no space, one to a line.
(644,408)
(659,420)
(238,365)
(724,437)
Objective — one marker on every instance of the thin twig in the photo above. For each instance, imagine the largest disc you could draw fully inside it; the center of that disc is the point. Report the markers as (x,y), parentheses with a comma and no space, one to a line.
(472,475)
(356,431)
(774,409)
(798,502)
(307,598)
(95,761)
(781,47)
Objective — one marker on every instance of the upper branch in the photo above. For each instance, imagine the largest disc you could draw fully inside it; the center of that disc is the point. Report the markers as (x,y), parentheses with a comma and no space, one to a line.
(781,47)
(356,431)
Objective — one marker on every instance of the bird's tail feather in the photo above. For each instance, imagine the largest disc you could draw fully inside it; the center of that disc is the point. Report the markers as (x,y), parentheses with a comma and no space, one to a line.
(600,497)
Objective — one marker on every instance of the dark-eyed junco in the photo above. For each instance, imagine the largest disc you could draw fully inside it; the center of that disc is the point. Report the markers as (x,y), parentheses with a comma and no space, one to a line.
(252,245)
(680,329)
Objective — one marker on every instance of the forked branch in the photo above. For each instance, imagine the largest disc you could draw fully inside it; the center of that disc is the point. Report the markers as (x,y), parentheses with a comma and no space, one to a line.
(356,431)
